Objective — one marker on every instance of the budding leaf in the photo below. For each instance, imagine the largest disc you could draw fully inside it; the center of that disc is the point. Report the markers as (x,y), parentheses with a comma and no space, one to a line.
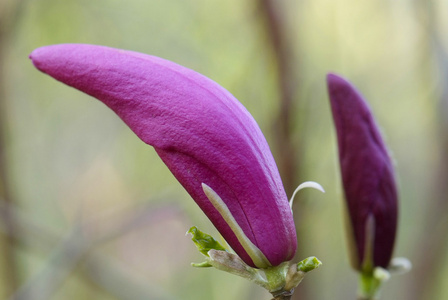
(309,264)
(204,264)
(204,242)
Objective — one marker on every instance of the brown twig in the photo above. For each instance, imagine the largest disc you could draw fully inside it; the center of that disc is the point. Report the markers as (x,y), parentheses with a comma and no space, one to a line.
(286,295)
(429,263)
(9,15)
(364,298)
(288,153)
(8,260)
(275,28)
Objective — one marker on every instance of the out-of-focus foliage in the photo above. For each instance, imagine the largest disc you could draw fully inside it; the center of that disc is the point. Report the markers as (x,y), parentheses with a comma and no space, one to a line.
(81,180)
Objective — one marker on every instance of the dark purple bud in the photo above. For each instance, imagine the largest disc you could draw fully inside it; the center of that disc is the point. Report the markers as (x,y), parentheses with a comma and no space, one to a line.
(367,176)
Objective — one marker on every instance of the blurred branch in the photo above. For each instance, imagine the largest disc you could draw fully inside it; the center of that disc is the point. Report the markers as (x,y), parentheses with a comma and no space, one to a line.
(76,248)
(9,11)
(58,267)
(435,239)
(276,30)
(113,276)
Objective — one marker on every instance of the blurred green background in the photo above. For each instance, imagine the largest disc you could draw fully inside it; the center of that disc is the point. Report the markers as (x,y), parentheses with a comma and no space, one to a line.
(90,212)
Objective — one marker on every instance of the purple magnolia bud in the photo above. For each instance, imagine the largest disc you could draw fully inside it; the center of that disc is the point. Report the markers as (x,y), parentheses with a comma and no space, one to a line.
(206,137)
(367,176)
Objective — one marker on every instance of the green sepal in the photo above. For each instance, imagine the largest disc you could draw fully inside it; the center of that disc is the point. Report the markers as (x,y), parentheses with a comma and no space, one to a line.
(204,264)
(279,280)
(204,242)
(370,283)
(297,272)
(308,264)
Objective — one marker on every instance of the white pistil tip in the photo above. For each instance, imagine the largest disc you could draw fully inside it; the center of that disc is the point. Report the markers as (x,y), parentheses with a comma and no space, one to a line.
(306,184)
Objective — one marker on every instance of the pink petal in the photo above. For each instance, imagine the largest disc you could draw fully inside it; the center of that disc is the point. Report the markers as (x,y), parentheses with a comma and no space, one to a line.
(201,132)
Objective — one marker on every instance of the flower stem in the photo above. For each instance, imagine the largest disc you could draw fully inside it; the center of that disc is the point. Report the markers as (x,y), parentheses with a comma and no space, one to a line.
(369,285)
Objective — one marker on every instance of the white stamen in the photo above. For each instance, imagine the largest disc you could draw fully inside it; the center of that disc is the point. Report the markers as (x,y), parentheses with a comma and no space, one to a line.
(399,265)
(255,254)
(306,184)
(381,274)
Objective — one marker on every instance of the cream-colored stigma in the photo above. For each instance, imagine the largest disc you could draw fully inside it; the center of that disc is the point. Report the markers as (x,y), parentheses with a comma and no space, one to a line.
(306,184)
(253,251)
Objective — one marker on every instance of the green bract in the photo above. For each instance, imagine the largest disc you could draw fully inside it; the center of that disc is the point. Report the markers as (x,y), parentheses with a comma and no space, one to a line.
(204,242)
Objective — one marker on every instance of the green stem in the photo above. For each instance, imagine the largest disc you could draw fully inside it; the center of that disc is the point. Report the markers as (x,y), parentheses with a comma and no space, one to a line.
(276,277)
(369,286)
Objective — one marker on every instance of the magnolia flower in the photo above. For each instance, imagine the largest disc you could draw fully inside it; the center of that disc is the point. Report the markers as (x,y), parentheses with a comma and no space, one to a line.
(208,140)
(367,176)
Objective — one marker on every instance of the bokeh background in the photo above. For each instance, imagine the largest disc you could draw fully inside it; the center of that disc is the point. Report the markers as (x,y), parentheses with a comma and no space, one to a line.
(88,211)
